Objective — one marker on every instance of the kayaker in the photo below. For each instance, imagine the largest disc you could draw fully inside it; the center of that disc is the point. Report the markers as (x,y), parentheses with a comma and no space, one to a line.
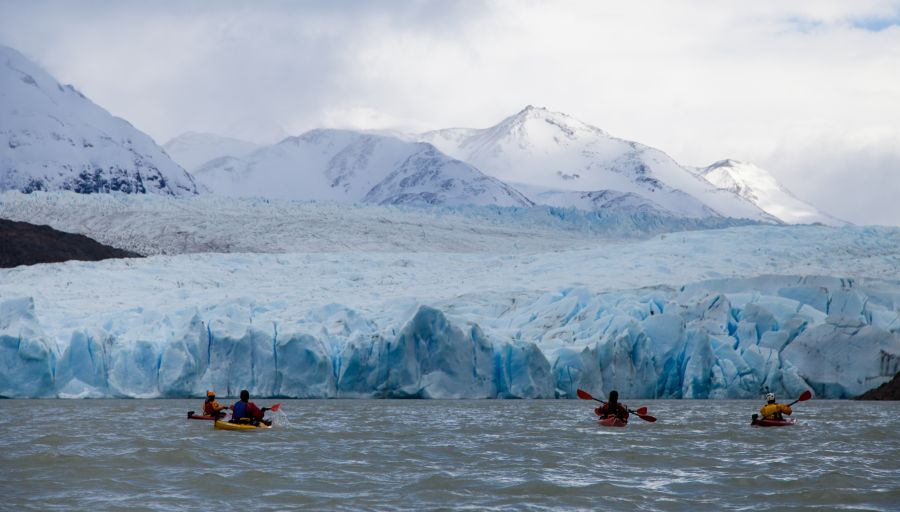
(211,407)
(613,408)
(245,411)
(772,410)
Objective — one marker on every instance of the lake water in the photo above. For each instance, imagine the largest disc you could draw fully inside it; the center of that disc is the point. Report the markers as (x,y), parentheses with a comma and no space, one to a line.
(465,455)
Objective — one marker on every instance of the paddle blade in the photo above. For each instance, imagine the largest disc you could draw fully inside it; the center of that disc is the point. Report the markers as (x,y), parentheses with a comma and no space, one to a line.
(806,395)
(275,407)
(641,410)
(584,395)
(647,417)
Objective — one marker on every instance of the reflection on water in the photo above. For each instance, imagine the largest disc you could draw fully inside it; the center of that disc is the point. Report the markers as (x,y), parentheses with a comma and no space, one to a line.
(380,454)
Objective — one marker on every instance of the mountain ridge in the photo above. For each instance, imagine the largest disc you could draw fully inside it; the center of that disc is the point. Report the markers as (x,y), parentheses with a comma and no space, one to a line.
(193,149)
(760,187)
(350,166)
(55,138)
(555,151)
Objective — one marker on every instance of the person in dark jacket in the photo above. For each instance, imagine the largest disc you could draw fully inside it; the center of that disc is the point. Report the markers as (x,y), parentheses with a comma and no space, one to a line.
(613,408)
(245,411)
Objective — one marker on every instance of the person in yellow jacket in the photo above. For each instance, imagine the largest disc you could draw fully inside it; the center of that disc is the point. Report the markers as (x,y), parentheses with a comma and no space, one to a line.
(772,410)
(211,407)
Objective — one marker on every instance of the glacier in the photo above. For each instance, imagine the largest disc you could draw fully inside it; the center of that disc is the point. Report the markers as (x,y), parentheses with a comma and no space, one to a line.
(161,225)
(678,315)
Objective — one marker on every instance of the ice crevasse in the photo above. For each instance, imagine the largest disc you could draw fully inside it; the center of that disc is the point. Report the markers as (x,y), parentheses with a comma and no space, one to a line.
(727,338)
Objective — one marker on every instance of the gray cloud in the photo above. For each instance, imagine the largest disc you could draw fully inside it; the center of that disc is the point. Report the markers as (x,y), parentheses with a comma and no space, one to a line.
(857,184)
(772,82)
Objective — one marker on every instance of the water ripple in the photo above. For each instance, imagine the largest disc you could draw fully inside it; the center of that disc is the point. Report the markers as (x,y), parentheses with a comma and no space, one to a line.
(463,455)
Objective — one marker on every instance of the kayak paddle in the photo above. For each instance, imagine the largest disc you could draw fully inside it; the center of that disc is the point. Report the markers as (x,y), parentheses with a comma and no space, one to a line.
(275,407)
(640,413)
(806,395)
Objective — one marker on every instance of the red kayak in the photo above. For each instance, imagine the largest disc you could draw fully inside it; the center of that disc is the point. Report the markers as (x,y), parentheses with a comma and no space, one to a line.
(192,416)
(612,421)
(756,422)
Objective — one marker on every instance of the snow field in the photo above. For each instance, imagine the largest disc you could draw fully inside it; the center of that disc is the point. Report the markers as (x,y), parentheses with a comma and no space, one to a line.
(160,225)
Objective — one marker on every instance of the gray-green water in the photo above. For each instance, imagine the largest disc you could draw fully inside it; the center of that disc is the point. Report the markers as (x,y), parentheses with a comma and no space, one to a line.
(474,455)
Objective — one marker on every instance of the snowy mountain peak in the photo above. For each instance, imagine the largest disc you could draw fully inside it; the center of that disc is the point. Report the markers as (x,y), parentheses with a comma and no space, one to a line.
(541,128)
(553,151)
(54,138)
(728,162)
(746,180)
(762,189)
(541,113)
(532,112)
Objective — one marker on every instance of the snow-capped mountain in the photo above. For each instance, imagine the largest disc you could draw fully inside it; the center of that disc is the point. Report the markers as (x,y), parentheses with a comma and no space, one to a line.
(554,151)
(191,149)
(349,166)
(762,189)
(53,138)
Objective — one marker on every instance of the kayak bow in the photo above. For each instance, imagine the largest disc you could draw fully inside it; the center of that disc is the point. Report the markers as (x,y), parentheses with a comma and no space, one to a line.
(192,416)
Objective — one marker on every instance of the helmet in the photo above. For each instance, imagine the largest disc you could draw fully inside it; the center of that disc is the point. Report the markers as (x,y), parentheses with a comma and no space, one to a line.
(770,397)
(210,394)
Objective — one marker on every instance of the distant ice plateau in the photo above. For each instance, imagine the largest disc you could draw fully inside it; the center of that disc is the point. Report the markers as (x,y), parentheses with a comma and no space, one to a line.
(695,314)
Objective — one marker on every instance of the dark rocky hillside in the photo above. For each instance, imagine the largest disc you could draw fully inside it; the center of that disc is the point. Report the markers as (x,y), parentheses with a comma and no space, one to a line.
(22,243)
(888,391)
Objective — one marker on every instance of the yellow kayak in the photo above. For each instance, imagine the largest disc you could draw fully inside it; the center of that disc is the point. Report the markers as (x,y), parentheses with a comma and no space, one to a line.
(227,425)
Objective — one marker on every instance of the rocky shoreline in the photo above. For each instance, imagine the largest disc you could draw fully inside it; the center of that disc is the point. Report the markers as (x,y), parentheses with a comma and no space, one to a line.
(888,391)
(22,243)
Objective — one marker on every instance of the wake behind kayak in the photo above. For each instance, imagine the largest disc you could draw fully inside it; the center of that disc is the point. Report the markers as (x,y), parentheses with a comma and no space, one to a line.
(759,422)
(612,422)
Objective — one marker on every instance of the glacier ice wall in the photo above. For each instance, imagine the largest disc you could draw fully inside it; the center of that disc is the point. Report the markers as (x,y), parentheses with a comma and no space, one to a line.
(725,338)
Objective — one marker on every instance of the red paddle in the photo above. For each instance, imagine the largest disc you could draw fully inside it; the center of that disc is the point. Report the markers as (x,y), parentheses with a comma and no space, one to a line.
(275,407)
(806,395)
(641,413)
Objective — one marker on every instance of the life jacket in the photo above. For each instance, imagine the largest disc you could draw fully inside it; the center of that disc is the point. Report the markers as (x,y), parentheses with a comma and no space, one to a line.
(246,412)
(240,410)
(774,411)
(211,408)
(607,410)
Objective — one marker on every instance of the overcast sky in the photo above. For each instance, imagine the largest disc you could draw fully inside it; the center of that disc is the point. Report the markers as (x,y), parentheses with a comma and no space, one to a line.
(809,90)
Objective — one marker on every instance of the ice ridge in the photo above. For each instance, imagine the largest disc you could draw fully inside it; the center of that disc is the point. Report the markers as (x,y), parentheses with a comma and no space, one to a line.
(726,338)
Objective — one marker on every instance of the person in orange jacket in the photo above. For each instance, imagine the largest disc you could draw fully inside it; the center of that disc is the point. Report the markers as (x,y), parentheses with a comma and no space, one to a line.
(772,410)
(211,407)
(613,408)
